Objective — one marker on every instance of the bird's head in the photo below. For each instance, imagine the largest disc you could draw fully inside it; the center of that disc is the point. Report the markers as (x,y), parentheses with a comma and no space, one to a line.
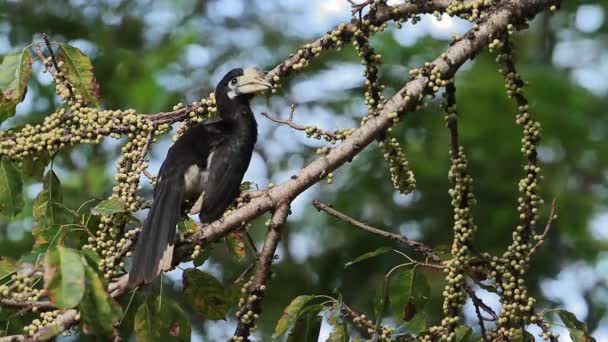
(238,86)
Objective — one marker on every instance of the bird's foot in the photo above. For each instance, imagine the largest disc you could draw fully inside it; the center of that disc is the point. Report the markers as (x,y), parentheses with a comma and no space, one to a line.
(119,286)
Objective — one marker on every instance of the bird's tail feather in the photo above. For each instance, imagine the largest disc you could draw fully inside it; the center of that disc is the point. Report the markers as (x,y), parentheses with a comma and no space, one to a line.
(154,248)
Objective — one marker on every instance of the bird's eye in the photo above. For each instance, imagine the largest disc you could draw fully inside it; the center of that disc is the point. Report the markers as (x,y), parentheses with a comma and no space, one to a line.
(233,82)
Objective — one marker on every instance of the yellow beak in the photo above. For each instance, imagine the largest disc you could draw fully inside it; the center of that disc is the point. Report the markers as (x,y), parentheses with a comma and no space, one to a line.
(252,81)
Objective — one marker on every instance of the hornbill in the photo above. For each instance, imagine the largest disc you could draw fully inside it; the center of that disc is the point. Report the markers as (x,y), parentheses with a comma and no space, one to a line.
(202,172)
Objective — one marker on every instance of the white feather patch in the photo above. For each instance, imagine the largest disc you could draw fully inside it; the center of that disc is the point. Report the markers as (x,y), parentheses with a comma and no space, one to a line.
(165,262)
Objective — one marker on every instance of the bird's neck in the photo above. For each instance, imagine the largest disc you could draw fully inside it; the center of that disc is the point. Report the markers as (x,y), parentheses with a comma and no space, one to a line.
(246,128)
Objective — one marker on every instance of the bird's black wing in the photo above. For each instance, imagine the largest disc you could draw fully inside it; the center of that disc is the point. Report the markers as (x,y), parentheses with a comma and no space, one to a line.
(154,247)
(225,173)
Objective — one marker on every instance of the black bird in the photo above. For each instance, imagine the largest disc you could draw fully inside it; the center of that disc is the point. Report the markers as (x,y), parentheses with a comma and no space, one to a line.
(201,174)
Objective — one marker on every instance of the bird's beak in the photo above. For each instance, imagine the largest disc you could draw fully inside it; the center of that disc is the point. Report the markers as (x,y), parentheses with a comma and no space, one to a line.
(252,81)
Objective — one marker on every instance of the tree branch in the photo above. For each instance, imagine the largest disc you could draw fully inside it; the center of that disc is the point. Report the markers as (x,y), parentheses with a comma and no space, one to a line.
(404,100)
(402,239)
(251,304)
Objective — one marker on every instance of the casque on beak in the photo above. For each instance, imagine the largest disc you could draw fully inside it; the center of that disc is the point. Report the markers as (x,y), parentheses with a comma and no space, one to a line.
(252,81)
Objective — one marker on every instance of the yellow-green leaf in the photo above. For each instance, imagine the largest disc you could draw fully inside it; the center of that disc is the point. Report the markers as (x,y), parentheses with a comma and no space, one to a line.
(206,294)
(64,277)
(109,207)
(339,333)
(236,245)
(7,266)
(290,315)
(369,255)
(15,71)
(79,72)
(11,197)
(164,321)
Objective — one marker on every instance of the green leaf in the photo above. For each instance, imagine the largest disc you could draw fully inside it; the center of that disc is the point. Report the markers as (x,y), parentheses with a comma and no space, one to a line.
(188,225)
(369,255)
(64,277)
(48,207)
(99,311)
(414,326)
(520,336)
(236,245)
(7,108)
(79,72)
(11,196)
(381,300)
(339,333)
(91,256)
(49,237)
(290,315)
(206,294)
(109,207)
(164,321)
(409,291)
(15,71)
(34,166)
(578,330)
(307,326)
(246,186)
(463,332)
(7,266)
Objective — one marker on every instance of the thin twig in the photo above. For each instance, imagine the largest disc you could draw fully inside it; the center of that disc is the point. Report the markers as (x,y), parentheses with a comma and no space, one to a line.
(28,303)
(402,239)
(289,122)
(552,217)
(479,303)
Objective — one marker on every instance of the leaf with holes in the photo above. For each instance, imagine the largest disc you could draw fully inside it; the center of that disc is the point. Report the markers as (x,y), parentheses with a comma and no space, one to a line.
(206,294)
(99,311)
(161,321)
(11,197)
(79,71)
(369,255)
(290,315)
(109,207)
(15,71)
(7,108)
(64,277)
(236,245)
